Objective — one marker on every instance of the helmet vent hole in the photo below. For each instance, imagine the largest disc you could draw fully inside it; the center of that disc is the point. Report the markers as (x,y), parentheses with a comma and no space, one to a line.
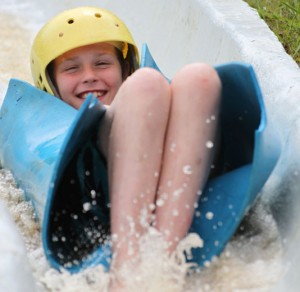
(40,77)
(71,20)
(98,15)
(117,24)
(61,34)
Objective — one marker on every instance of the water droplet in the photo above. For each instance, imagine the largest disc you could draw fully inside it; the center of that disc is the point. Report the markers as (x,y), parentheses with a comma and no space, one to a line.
(175,213)
(87,206)
(177,193)
(160,202)
(169,183)
(152,207)
(209,215)
(173,147)
(93,194)
(209,144)
(54,238)
(114,237)
(187,169)
(199,192)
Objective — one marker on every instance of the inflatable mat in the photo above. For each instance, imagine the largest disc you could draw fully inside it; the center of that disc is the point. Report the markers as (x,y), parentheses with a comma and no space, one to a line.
(50,149)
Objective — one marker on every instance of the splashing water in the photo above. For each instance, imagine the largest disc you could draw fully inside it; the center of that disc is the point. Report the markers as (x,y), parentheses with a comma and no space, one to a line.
(250,262)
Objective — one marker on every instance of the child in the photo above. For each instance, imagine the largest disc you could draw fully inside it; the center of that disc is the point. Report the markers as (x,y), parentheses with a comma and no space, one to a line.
(159,139)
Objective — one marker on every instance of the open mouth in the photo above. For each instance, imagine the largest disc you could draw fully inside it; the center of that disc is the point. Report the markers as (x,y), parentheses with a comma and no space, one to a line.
(99,94)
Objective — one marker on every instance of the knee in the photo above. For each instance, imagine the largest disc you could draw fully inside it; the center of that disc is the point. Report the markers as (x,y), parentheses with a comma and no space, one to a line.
(147,86)
(198,78)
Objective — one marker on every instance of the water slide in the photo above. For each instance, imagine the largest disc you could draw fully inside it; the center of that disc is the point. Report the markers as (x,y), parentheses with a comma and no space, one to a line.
(180,32)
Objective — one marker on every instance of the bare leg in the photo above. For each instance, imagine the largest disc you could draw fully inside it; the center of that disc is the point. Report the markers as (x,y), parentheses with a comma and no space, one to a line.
(160,135)
(140,115)
(189,150)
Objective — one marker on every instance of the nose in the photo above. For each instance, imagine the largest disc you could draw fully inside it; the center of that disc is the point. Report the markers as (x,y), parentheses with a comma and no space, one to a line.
(89,75)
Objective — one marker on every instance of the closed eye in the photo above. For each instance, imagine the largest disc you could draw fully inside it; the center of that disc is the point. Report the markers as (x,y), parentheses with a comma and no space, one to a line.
(71,68)
(102,64)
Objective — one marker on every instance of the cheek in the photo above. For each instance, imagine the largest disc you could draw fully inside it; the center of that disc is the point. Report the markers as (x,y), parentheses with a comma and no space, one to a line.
(117,79)
(64,86)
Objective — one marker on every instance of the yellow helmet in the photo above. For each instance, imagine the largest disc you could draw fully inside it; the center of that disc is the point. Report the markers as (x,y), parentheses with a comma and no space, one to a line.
(75,28)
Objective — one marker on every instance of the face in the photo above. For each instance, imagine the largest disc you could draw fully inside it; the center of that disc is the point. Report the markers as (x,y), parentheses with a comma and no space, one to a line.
(89,69)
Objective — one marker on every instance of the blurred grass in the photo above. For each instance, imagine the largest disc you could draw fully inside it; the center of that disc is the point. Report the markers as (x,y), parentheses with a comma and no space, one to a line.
(283,18)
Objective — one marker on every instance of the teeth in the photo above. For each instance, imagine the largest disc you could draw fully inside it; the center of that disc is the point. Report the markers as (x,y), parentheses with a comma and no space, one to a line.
(95,93)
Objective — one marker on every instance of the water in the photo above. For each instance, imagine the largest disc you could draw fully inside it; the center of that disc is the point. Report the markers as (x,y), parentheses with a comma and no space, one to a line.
(250,262)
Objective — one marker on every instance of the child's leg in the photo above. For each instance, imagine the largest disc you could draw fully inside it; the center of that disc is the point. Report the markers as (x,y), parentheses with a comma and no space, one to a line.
(189,148)
(140,115)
